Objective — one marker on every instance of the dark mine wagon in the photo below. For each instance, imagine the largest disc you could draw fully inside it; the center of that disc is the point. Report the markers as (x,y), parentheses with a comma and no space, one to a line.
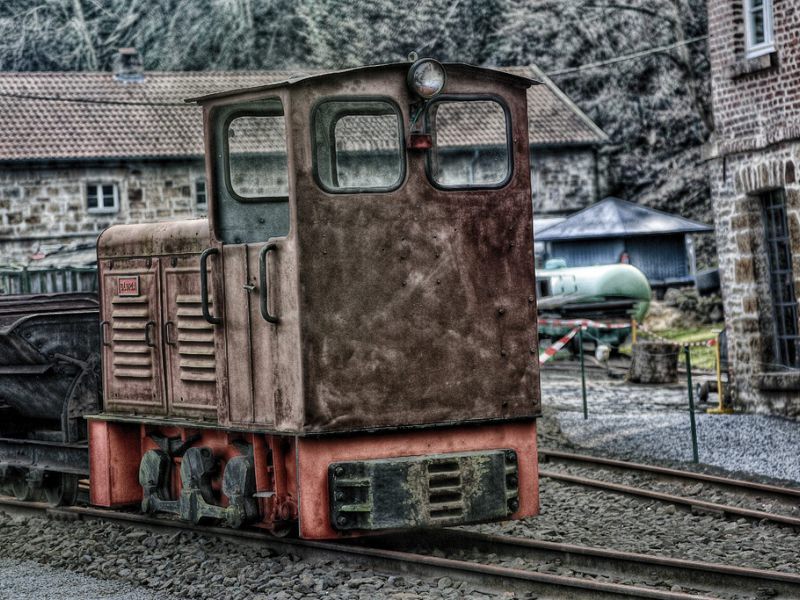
(347,342)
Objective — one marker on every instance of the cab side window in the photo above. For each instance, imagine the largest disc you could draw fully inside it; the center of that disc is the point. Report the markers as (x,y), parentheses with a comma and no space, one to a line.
(358,145)
(252,203)
(257,156)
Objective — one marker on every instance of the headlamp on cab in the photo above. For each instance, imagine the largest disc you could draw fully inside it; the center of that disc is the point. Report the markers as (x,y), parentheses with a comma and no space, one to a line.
(426,78)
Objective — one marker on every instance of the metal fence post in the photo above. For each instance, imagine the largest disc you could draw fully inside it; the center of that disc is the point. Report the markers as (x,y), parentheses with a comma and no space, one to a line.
(695,457)
(720,409)
(25,281)
(583,373)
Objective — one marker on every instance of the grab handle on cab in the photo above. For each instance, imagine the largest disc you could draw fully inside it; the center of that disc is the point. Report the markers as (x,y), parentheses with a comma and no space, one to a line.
(103,326)
(204,286)
(263,285)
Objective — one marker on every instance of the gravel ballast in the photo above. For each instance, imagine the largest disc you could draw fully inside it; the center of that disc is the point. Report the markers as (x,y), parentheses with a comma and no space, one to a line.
(186,565)
(652,422)
(574,514)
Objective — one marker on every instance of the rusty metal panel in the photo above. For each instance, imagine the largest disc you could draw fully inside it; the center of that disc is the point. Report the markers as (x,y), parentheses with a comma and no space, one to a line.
(417,306)
(262,362)
(132,357)
(237,336)
(191,365)
(154,270)
(154,239)
(263,335)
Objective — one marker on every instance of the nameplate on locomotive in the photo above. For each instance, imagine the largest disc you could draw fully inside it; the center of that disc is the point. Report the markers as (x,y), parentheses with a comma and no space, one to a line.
(128,286)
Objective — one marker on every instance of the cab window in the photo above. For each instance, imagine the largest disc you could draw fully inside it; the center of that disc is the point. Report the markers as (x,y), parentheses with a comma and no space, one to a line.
(471,143)
(358,145)
(257,164)
(252,187)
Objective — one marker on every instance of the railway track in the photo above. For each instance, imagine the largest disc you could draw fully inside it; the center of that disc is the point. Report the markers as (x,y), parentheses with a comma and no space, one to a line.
(775,503)
(546,569)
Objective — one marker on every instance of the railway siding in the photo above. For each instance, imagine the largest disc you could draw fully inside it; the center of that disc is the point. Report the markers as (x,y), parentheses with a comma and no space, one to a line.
(574,514)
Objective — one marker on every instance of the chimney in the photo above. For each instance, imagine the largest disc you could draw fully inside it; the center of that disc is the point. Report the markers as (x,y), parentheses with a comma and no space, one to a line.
(128,67)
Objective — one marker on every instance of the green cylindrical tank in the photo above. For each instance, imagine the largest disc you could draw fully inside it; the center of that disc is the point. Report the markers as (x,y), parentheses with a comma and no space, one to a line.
(564,290)
(593,284)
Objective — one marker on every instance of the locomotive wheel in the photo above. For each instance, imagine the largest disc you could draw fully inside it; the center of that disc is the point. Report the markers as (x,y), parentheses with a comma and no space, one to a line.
(282,529)
(61,489)
(23,491)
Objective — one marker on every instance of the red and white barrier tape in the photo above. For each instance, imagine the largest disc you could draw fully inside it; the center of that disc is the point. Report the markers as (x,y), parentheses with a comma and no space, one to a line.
(708,343)
(583,323)
(551,351)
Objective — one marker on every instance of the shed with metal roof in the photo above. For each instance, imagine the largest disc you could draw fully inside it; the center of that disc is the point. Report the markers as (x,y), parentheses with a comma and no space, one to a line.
(615,230)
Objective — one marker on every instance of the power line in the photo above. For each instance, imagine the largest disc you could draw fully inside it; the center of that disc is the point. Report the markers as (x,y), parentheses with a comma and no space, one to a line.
(79,100)
(611,61)
(626,57)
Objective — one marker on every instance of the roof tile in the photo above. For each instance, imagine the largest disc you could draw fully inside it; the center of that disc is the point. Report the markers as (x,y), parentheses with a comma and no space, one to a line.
(152,120)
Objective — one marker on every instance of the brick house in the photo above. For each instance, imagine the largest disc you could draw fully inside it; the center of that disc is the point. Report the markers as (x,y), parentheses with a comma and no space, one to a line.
(754,49)
(82,151)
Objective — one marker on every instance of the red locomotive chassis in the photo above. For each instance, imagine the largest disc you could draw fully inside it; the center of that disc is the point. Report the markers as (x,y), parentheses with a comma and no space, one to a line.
(349,349)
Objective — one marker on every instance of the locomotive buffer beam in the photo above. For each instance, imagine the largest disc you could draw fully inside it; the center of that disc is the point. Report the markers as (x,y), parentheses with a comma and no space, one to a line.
(423,491)
(197,502)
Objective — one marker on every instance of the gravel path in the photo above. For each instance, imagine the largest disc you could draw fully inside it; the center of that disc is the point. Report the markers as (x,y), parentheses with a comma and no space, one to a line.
(648,422)
(139,565)
(27,580)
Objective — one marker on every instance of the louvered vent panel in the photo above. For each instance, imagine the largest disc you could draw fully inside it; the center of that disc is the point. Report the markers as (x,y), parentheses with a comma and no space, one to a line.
(132,356)
(445,494)
(195,341)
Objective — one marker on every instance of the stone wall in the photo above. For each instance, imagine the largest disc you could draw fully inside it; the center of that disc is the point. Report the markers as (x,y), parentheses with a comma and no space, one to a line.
(755,149)
(563,180)
(42,206)
(760,385)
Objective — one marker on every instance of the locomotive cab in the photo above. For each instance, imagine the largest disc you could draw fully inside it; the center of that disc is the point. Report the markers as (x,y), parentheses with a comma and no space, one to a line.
(347,342)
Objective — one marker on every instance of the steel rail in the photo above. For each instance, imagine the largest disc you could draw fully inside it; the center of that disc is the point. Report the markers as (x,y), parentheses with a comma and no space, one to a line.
(713,507)
(686,573)
(775,490)
(482,575)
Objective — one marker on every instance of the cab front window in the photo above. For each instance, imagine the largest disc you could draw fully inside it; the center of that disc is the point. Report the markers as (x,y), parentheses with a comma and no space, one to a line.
(358,145)
(471,143)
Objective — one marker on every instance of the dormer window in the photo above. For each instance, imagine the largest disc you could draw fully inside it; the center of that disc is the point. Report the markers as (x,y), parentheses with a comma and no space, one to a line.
(758,27)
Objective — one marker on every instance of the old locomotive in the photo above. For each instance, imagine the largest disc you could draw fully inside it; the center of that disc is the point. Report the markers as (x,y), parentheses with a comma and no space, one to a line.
(346,343)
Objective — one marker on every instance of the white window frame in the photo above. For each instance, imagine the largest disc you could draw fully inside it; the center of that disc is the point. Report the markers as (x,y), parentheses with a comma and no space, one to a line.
(99,190)
(197,203)
(768,45)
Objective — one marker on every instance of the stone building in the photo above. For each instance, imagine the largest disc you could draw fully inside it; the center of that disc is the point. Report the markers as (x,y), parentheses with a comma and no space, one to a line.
(754,49)
(82,151)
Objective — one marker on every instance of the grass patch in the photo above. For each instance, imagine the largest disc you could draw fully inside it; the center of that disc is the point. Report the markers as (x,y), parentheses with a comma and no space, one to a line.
(703,357)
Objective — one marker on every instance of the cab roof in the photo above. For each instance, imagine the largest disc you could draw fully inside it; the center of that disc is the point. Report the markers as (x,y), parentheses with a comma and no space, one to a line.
(304,77)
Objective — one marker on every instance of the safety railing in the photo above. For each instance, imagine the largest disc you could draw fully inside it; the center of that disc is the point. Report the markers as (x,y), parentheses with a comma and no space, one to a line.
(47,280)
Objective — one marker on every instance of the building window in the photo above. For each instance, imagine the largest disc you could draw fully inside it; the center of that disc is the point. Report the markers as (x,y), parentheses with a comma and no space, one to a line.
(758,27)
(102,197)
(200,193)
(781,279)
